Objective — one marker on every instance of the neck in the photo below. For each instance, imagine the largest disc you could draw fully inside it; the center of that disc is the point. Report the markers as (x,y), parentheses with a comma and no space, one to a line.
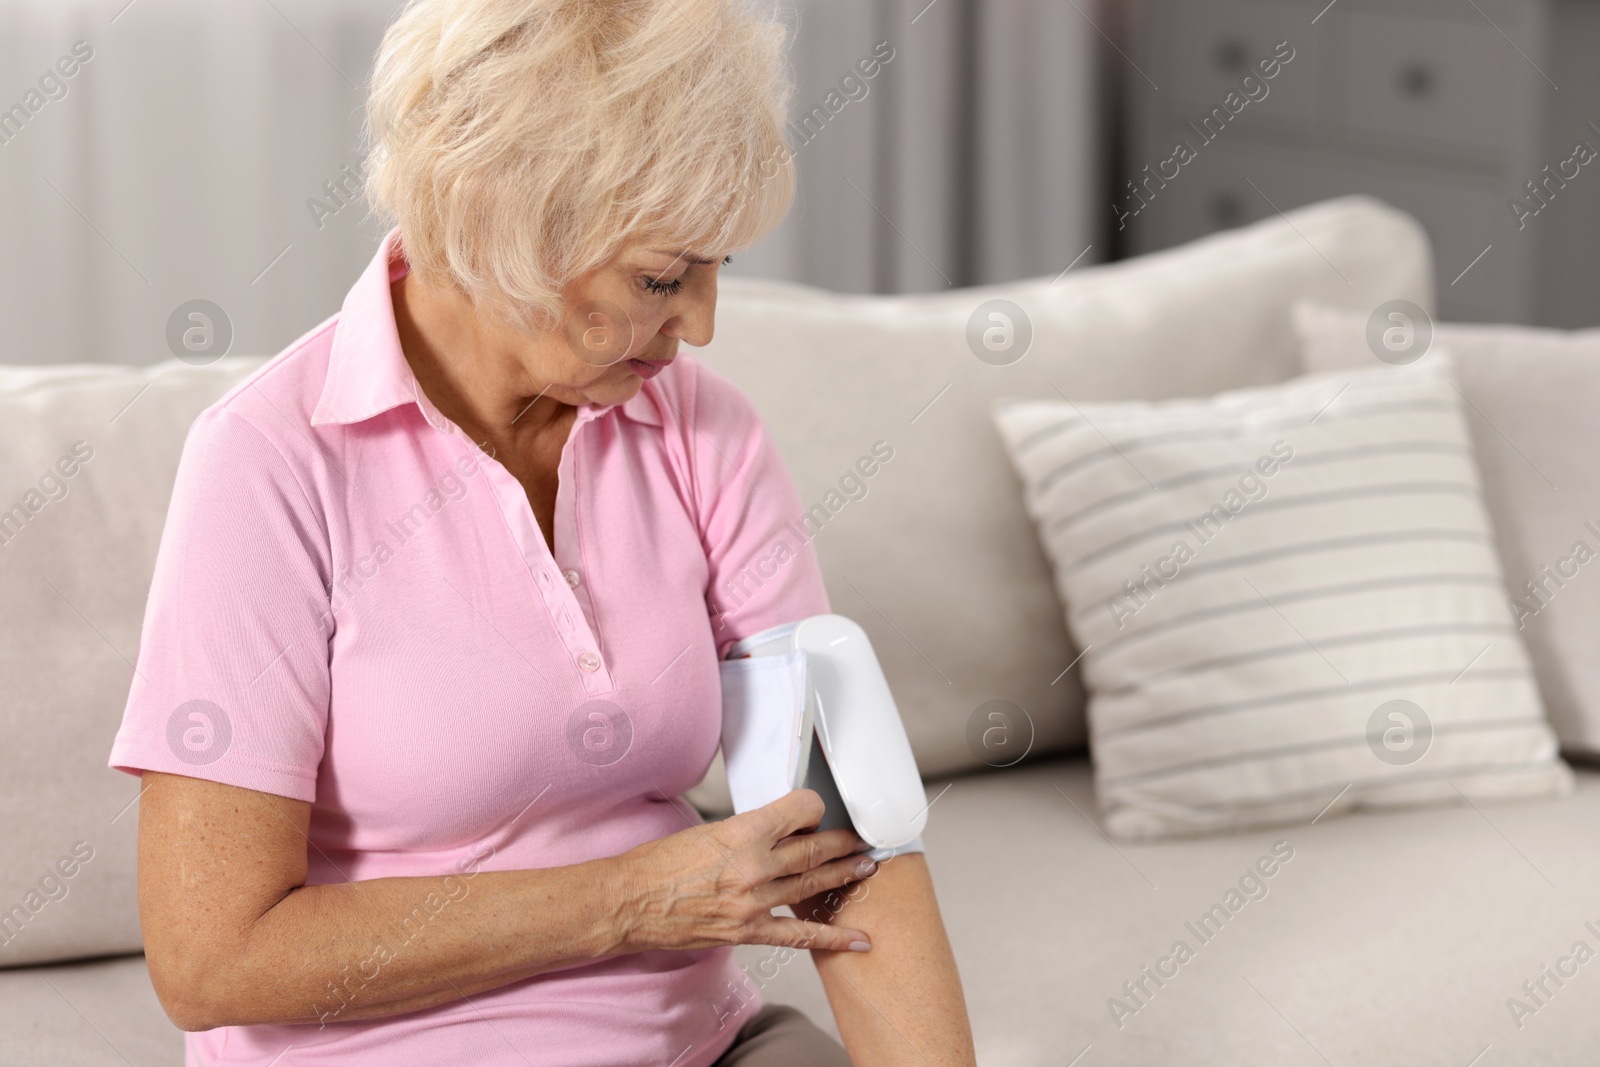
(471,368)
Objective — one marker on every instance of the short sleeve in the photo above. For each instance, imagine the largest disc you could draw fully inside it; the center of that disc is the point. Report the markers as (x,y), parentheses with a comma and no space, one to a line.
(763,567)
(232,678)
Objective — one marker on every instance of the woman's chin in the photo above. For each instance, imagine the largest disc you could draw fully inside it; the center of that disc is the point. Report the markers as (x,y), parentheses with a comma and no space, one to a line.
(615,388)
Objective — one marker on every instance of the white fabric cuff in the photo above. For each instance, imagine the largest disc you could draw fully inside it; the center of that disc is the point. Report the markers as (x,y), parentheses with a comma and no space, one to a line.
(881,854)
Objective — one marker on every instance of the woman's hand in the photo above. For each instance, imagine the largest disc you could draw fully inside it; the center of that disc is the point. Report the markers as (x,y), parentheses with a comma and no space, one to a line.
(716,884)
(234,937)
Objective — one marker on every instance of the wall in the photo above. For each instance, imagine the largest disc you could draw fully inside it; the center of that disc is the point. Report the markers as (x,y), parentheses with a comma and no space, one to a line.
(186,156)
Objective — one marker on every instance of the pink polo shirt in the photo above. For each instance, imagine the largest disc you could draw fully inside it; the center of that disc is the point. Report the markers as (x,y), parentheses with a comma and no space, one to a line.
(354,606)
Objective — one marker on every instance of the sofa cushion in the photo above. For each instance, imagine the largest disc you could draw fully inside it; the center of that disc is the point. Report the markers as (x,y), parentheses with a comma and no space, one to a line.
(1288,600)
(87,460)
(1388,938)
(1532,397)
(1048,921)
(934,555)
(101,1013)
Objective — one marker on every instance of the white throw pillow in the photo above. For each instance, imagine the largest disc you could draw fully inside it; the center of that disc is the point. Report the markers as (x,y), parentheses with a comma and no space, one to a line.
(1288,598)
(1533,410)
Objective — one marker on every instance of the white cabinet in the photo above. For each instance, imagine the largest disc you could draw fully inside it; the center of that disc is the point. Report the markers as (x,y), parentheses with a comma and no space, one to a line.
(1436,106)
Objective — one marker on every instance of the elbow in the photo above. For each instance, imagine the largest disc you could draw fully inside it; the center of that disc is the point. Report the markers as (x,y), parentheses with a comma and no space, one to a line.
(189,1012)
(191,1019)
(192,991)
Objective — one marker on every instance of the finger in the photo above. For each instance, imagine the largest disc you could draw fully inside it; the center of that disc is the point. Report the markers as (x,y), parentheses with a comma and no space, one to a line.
(802,852)
(799,933)
(861,843)
(795,810)
(817,880)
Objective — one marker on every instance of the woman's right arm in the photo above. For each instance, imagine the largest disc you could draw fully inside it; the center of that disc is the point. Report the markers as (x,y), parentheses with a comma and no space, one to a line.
(233,936)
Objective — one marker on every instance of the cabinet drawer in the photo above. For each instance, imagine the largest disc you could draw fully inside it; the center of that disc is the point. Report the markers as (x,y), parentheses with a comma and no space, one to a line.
(1216,192)
(1207,50)
(1434,80)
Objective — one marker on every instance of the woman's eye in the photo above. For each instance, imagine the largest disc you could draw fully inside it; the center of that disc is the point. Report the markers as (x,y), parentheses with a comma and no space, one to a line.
(661,288)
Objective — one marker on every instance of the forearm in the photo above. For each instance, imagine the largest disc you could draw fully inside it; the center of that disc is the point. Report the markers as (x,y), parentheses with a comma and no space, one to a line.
(901,1003)
(362,950)
(233,936)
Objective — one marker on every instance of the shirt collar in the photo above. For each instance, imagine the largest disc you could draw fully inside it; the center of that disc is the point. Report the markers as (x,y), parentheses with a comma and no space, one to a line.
(367,370)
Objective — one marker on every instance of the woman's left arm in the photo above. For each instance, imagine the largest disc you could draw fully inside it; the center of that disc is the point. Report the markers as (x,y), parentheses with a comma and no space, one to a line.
(900,1003)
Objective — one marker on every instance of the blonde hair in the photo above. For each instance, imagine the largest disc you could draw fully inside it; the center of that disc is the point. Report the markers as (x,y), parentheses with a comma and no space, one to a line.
(519,143)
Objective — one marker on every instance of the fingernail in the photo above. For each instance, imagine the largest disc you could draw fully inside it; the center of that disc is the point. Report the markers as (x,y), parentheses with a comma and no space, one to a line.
(865,867)
(860,946)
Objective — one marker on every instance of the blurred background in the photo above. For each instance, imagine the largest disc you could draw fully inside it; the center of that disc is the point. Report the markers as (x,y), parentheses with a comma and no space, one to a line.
(209,151)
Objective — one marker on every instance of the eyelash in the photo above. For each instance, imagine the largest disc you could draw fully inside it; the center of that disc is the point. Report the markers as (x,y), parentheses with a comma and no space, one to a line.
(672,288)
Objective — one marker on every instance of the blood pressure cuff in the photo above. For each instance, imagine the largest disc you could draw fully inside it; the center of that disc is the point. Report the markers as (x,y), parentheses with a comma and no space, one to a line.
(835,815)
(806,705)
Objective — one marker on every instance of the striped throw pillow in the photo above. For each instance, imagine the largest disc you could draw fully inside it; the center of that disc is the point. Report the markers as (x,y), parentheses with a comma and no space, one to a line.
(1287,600)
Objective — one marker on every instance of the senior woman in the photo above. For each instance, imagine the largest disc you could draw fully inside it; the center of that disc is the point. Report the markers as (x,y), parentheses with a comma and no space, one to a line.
(432,648)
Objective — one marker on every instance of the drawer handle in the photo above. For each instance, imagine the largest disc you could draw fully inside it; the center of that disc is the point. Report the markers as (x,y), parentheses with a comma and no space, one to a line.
(1231,55)
(1416,80)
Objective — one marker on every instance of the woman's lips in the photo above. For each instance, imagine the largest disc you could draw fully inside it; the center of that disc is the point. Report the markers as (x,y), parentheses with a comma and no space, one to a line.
(649,368)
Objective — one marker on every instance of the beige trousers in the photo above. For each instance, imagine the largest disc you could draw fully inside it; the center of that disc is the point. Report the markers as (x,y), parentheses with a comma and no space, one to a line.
(781,1036)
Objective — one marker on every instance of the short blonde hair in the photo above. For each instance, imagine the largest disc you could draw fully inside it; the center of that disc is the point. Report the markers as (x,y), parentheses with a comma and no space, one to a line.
(519,143)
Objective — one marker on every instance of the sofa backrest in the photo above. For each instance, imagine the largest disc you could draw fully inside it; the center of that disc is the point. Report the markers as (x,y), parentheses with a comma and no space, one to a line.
(88,455)
(937,560)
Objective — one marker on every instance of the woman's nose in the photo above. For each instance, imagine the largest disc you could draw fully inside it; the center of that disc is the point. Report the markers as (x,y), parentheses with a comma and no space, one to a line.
(694,320)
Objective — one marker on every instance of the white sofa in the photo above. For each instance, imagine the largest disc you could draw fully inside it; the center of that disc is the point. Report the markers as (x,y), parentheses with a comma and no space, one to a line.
(1388,939)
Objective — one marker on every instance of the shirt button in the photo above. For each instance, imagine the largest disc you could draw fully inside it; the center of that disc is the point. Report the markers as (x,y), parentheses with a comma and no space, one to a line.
(572,578)
(589,662)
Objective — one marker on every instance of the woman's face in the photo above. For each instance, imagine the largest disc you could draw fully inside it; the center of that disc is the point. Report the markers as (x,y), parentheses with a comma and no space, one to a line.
(624,321)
